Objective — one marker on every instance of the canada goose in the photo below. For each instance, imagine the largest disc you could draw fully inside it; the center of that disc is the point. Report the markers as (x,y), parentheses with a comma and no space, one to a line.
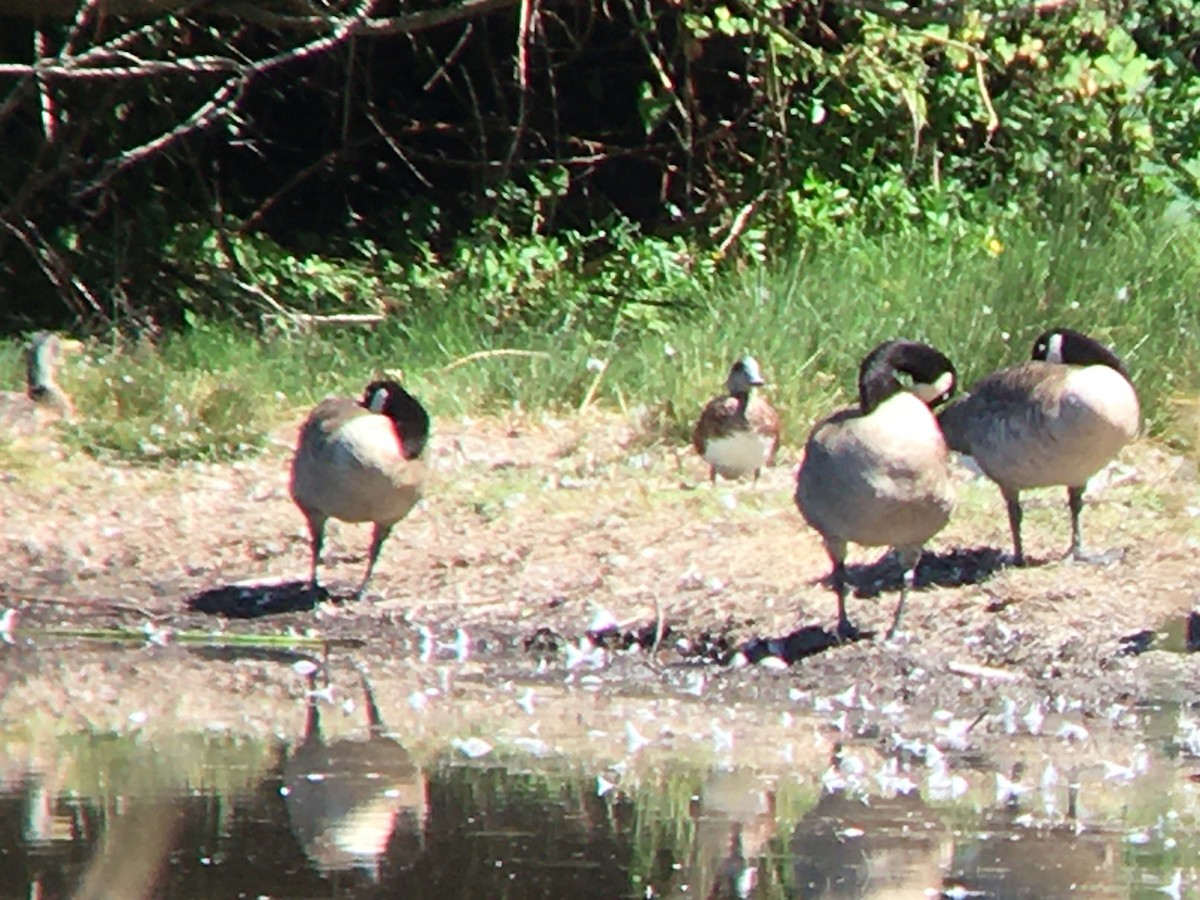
(1007,858)
(355,805)
(360,462)
(737,434)
(878,474)
(900,848)
(734,821)
(1057,419)
(43,396)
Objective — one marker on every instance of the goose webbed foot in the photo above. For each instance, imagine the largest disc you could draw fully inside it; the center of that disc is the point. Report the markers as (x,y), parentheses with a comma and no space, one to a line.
(847,631)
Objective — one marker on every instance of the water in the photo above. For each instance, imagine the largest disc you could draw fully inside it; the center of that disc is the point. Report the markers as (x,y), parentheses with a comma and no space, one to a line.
(579,794)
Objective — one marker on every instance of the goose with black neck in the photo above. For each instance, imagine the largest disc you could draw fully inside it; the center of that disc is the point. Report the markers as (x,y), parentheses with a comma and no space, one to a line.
(877,474)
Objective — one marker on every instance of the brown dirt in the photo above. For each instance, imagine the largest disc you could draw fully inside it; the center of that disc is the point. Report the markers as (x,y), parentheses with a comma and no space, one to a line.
(531,527)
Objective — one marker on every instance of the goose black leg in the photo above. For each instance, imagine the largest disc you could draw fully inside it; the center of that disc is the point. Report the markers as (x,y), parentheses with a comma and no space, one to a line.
(1012,499)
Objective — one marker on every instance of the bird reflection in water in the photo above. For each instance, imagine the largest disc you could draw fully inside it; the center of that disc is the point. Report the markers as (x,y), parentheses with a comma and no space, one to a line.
(355,806)
(735,822)
(1018,861)
(850,846)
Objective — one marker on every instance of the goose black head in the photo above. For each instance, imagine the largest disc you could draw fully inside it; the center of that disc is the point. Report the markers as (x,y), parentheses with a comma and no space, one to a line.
(934,377)
(744,375)
(408,416)
(1074,348)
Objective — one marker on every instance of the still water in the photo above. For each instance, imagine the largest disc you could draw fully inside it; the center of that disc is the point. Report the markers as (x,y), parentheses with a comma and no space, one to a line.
(372,811)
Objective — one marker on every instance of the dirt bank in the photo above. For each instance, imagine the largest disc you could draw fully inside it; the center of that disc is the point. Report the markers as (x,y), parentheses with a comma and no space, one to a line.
(532,528)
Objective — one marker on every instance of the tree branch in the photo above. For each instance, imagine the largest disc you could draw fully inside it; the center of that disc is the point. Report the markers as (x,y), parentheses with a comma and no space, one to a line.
(226,99)
(384,27)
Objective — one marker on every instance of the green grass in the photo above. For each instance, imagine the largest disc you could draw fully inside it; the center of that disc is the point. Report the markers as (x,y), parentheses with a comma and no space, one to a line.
(810,320)
(216,391)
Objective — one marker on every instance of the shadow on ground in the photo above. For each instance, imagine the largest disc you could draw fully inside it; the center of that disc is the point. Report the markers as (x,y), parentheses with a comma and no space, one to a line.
(954,568)
(250,601)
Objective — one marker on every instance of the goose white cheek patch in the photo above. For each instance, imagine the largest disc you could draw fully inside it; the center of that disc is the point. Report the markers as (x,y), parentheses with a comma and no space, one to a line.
(1054,348)
(378,400)
(928,392)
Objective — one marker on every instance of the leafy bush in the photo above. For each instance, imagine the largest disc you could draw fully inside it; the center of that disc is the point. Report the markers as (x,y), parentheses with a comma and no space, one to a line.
(637,146)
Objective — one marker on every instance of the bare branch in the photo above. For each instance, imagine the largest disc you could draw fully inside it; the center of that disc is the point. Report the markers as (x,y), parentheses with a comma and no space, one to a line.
(70,287)
(450,58)
(45,101)
(410,24)
(252,221)
(223,102)
(82,16)
(226,99)
(131,67)
(394,147)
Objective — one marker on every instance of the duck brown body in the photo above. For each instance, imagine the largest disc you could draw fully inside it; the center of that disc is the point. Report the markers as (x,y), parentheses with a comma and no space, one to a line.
(738,432)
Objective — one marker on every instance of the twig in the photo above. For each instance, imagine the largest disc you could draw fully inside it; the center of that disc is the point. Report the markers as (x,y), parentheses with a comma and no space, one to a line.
(129,66)
(82,16)
(973,670)
(45,100)
(308,320)
(739,224)
(217,107)
(227,98)
(53,266)
(595,386)
(383,27)
(525,19)
(252,222)
(450,58)
(993,119)
(487,354)
(394,147)
(665,81)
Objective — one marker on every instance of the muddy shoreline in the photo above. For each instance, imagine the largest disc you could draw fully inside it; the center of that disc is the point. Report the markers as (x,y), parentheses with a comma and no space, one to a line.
(535,532)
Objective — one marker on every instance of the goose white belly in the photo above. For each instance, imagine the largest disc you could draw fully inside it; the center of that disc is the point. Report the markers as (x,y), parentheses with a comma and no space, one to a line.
(881,479)
(737,454)
(1097,414)
(359,474)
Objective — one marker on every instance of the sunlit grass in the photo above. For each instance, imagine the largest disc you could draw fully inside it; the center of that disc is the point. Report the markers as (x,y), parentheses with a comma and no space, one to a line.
(216,391)
(811,319)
